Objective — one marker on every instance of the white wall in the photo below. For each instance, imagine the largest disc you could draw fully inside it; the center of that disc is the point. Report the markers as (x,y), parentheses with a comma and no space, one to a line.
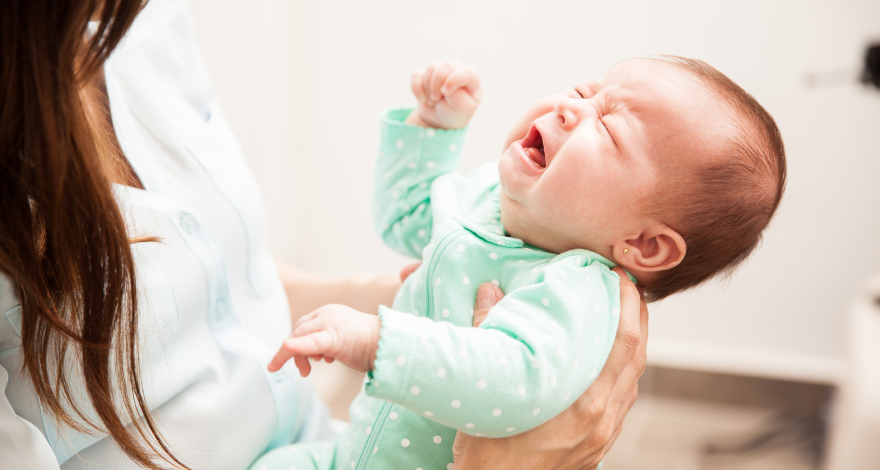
(303,81)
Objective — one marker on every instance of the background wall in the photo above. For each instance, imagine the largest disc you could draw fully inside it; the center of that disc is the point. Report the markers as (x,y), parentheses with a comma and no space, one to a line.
(302,83)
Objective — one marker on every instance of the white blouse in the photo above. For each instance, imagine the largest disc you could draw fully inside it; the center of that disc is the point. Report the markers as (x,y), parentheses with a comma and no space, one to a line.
(212,307)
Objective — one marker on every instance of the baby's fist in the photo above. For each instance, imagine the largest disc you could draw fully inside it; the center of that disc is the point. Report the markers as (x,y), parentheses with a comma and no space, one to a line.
(332,332)
(448,95)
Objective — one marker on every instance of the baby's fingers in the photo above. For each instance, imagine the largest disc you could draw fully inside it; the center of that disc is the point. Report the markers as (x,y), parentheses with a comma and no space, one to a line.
(303,364)
(466,78)
(416,83)
(427,73)
(314,344)
(441,71)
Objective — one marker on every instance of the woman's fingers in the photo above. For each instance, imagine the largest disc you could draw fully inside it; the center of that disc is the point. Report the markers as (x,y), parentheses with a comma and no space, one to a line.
(629,338)
(488,295)
(611,442)
(630,401)
(626,390)
(407,270)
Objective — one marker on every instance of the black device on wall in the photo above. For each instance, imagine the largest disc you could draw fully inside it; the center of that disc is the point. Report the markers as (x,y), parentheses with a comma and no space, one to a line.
(871,71)
(868,73)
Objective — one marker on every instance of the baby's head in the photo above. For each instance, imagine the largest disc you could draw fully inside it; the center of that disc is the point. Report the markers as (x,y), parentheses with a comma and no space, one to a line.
(664,165)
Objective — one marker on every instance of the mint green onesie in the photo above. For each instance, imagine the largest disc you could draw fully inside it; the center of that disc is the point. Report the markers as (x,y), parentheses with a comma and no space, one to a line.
(534,355)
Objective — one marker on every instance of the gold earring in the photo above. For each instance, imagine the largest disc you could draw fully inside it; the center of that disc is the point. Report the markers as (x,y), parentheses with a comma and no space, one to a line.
(625,250)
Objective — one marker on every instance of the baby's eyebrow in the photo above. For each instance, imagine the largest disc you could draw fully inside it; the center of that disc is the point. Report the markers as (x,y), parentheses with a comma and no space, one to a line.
(594,87)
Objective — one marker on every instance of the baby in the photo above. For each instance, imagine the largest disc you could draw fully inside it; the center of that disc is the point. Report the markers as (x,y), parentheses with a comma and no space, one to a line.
(664,167)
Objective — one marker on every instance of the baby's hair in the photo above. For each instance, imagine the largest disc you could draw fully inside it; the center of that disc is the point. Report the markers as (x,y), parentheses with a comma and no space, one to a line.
(722,209)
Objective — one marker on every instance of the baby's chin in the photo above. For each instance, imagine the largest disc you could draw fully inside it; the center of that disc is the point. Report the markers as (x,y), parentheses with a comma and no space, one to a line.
(518,224)
(512,217)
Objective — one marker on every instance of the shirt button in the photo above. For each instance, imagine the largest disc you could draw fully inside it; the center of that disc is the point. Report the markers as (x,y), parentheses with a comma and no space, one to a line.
(279,376)
(188,223)
(221,308)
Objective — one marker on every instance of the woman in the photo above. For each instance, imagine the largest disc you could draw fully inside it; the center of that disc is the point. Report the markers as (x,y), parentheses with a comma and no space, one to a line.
(139,296)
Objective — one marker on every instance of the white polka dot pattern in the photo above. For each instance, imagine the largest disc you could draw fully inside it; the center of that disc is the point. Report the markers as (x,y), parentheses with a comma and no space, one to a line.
(470,382)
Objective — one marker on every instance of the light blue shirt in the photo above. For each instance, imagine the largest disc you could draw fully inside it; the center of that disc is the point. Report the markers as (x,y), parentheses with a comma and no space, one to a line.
(212,308)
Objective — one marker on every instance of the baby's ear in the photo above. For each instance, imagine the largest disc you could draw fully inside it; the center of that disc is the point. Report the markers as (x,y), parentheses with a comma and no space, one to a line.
(657,248)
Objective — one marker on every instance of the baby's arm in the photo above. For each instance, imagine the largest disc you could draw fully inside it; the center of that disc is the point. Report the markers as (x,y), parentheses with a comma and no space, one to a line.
(417,146)
(537,351)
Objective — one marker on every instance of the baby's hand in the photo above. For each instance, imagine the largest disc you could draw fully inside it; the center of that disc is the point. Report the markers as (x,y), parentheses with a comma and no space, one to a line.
(448,95)
(332,332)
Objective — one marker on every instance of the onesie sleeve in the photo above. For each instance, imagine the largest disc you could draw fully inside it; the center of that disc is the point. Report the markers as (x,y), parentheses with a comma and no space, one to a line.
(410,158)
(534,355)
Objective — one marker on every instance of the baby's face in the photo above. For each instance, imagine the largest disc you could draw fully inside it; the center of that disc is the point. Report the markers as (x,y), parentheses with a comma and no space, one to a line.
(579,176)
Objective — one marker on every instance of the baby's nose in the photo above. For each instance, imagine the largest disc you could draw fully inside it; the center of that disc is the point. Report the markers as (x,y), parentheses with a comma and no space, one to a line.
(570,111)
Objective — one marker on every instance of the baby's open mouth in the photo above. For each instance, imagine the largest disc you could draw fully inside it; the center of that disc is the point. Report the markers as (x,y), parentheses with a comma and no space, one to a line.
(533,146)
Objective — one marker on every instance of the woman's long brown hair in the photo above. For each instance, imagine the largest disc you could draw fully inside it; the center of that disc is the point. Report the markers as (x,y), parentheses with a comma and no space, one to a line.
(63,240)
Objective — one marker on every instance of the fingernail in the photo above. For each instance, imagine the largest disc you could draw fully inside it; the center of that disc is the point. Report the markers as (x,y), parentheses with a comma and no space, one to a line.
(435,97)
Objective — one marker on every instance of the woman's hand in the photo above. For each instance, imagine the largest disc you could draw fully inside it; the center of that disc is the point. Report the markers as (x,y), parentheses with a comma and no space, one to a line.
(580,436)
